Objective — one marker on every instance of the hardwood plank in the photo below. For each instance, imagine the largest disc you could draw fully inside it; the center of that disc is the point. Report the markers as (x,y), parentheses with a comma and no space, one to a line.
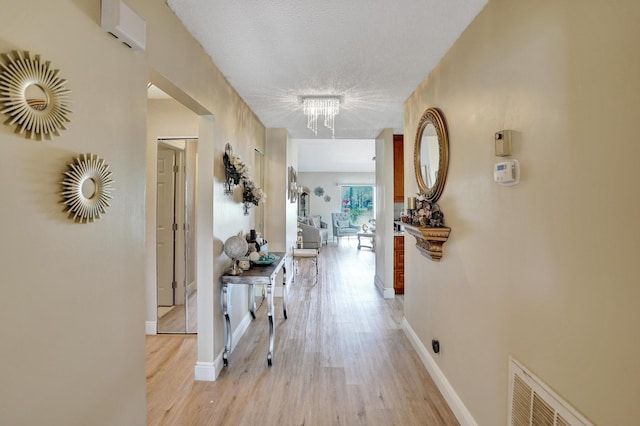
(340,358)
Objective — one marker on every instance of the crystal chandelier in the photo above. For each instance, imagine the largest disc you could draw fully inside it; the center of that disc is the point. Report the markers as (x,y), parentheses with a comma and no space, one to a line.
(327,106)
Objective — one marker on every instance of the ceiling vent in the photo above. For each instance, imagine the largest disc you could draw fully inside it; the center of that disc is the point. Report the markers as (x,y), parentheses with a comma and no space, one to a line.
(122,22)
(531,402)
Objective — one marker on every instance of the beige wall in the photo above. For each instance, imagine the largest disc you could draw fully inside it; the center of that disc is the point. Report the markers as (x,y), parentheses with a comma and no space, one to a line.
(279,155)
(73,302)
(545,271)
(280,228)
(73,307)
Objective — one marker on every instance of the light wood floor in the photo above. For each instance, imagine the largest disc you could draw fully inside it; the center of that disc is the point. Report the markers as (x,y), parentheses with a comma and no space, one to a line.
(179,319)
(340,359)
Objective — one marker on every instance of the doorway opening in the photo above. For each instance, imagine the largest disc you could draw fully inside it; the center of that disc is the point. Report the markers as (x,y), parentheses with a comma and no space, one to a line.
(175,241)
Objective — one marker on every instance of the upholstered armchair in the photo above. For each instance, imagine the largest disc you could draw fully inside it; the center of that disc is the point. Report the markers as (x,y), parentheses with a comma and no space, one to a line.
(342,226)
(315,232)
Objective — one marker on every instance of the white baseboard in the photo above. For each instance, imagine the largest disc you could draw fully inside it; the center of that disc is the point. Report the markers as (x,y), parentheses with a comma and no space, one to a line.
(205,371)
(387,293)
(209,371)
(240,330)
(151,328)
(455,403)
(379,284)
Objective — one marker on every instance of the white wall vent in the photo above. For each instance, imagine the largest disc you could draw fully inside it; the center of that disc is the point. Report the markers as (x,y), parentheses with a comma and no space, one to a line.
(123,23)
(531,402)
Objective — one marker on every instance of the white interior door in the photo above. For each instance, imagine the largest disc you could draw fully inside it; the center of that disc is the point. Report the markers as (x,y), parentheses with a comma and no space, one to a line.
(164,226)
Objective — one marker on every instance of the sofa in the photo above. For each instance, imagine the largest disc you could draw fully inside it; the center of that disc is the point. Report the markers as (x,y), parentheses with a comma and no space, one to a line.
(342,226)
(315,232)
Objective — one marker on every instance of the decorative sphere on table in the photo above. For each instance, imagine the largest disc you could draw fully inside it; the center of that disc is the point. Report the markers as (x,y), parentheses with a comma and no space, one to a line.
(254,256)
(236,247)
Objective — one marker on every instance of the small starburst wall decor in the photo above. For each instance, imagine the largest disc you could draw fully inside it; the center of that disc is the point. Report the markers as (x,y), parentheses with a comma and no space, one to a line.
(33,96)
(86,188)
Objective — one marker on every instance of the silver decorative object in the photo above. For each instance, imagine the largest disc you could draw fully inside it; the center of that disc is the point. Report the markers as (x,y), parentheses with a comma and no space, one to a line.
(86,188)
(235,247)
(33,96)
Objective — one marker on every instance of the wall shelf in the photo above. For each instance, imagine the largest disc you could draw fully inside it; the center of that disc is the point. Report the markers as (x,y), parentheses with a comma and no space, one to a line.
(429,241)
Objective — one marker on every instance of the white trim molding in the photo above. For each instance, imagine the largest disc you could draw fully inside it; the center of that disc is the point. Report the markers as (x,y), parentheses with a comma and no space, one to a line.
(386,292)
(389,293)
(151,328)
(455,403)
(205,371)
(240,330)
(209,371)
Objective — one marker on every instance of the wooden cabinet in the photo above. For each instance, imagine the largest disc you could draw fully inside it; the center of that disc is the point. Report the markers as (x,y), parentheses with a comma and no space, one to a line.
(398,168)
(398,264)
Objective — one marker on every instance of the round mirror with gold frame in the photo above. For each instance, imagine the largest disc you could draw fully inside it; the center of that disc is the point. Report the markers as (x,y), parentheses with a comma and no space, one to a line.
(86,188)
(33,96)
(431,154)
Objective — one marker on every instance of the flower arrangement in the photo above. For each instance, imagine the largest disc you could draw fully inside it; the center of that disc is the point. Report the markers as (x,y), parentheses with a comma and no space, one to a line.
(252,193)
(235,169)
(427,214)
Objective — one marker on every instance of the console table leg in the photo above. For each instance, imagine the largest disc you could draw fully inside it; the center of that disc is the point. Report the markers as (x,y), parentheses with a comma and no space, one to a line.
(252,301)
(285,291)
(271,323)
(226,296)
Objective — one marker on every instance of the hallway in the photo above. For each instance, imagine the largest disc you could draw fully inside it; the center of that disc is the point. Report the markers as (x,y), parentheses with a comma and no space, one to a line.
(340,358)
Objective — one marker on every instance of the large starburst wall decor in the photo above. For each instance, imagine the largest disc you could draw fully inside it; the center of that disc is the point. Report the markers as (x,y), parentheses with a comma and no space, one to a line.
(33,96)
(86,188)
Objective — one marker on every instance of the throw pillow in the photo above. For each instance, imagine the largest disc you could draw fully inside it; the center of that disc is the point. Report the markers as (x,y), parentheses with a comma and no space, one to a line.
(343,223)
(314,221)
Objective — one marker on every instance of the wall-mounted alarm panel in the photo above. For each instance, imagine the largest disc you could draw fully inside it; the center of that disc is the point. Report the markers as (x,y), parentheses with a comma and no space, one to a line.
(507,172)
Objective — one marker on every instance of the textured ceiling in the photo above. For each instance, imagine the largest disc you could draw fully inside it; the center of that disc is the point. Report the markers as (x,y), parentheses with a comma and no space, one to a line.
(374,53)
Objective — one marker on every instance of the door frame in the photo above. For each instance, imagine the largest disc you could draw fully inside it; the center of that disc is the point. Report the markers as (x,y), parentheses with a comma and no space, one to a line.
(185,153)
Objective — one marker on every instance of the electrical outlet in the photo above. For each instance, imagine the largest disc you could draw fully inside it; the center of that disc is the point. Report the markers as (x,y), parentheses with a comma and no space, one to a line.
(435,345)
